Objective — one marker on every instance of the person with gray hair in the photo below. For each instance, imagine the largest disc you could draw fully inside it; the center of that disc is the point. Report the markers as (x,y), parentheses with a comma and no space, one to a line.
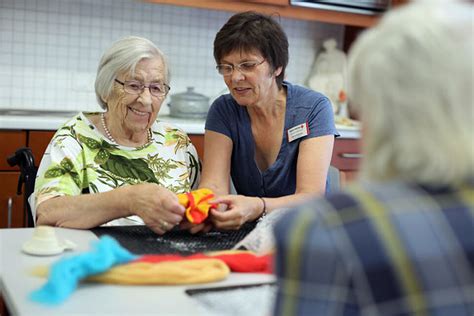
(400,240)
(131,164)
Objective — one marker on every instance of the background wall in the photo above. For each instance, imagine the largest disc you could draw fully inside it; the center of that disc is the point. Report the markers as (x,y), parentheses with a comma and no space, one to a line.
(49,49)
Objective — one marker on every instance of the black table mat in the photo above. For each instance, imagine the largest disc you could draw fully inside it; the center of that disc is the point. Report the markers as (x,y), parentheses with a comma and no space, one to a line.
(142,240)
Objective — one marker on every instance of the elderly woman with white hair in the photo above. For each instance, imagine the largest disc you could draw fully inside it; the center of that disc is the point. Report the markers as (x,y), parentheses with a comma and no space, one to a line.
(400,240)
(130,163)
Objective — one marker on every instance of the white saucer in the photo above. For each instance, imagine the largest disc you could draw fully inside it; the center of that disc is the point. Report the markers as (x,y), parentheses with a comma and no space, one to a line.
(45,243)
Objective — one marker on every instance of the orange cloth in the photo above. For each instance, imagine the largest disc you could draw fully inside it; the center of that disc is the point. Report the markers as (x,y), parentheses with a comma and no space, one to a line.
(204,270)
(196,204)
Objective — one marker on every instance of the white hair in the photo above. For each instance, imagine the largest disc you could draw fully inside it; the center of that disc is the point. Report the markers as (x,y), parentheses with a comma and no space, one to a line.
(411,76)
(123,56)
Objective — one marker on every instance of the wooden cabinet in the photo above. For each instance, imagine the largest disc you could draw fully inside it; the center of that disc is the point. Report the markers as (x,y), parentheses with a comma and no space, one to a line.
(273,2)
(346,157)
(280,7)
(9,142)
(12,211)
(11,204)
(38,141)
(198,142)
(354,22)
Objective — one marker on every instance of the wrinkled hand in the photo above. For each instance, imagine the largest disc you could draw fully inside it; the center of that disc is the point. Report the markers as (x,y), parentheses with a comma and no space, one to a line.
(204,227)
(240,209)
(157,206)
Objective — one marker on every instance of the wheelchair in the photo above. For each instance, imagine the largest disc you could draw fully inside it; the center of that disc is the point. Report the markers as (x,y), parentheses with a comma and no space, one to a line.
(23,157)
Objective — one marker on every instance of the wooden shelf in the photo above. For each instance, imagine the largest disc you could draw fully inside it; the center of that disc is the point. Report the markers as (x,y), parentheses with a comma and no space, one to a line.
(282,8)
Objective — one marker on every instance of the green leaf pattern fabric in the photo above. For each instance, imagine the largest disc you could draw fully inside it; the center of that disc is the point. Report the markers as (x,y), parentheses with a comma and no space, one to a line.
(80,157)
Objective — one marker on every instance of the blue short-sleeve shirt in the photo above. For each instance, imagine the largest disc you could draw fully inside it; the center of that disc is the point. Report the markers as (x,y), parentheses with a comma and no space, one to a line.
(303,105)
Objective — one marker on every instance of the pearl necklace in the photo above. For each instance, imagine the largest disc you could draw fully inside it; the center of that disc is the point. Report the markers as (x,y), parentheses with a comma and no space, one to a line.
(109,135)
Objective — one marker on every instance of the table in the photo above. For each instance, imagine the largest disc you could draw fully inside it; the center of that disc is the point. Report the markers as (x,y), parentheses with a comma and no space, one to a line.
(93,298)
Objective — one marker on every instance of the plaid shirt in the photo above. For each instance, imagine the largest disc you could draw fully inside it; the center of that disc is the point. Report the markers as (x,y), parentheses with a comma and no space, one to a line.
(378,249)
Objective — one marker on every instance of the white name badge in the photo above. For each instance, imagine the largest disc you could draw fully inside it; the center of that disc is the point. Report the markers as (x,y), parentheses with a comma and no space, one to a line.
(297,131)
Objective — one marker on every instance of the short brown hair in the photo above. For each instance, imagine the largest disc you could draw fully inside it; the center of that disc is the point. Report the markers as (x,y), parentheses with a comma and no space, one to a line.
(248,31)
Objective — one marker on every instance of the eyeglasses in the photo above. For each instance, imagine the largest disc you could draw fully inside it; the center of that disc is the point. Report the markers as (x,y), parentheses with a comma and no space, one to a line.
(136,87)
(246,67)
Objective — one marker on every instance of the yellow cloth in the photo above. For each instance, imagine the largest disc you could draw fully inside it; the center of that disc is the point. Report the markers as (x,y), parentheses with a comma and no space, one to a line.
(196,204)
(162,273)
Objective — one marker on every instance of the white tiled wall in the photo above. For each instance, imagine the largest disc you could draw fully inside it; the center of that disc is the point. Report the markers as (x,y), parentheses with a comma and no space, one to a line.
(49,49)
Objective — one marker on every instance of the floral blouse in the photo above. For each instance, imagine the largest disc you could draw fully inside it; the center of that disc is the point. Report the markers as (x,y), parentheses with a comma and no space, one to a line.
(79,159)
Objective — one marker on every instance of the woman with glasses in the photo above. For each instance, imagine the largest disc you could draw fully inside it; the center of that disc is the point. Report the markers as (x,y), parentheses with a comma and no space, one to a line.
(130,164)
(273,138)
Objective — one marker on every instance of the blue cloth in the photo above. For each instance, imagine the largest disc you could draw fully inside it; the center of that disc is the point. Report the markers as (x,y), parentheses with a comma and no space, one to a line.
(227,117)
(65,274)
(378,249)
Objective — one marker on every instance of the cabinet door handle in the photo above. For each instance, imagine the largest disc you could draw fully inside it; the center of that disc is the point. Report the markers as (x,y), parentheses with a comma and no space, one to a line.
(351,155)
(9,212)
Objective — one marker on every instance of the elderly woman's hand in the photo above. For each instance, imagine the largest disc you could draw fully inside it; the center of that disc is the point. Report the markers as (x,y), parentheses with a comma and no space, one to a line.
(240,209)
(157,206)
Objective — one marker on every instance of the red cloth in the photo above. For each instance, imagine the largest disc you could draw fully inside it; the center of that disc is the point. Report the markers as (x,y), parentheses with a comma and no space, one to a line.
(237,262)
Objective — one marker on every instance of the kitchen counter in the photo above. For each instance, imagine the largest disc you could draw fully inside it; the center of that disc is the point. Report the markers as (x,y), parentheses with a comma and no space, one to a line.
(52,121)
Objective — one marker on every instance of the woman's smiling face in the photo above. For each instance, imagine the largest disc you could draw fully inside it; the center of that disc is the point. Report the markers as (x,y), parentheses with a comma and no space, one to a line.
(135,113)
